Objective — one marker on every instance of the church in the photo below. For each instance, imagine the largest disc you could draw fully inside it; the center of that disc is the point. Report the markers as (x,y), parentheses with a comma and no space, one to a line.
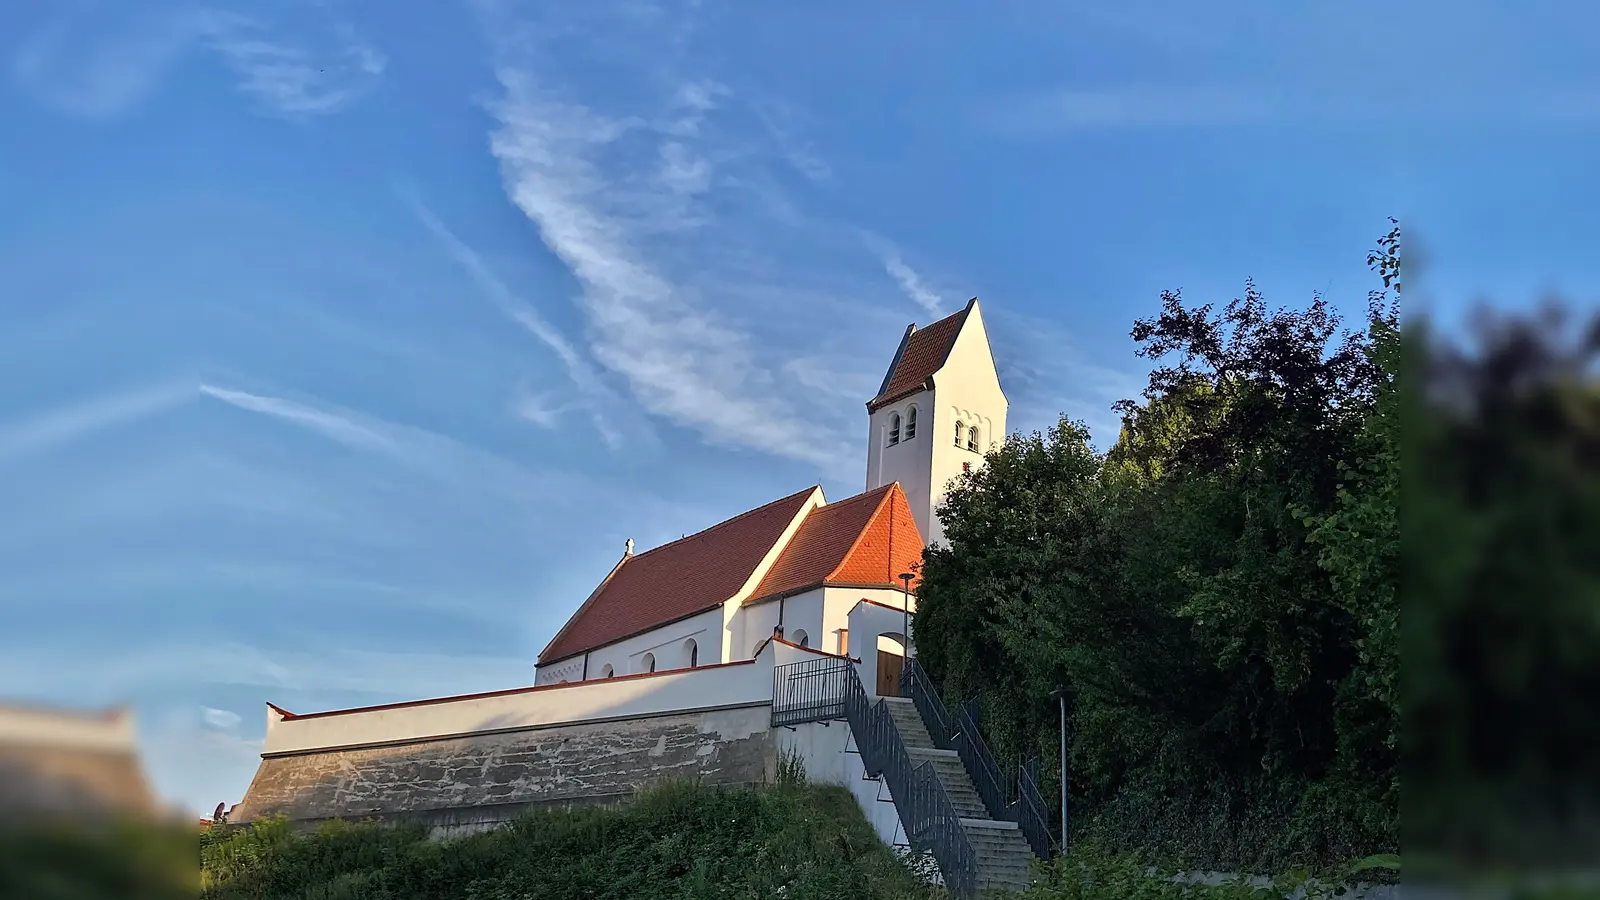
(797,565)
(668,667)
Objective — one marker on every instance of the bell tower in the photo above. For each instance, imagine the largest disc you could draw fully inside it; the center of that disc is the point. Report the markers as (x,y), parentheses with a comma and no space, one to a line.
(939,410)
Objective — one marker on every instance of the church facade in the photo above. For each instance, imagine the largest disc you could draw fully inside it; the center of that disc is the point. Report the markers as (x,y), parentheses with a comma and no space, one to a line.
(667,667)
(796,566)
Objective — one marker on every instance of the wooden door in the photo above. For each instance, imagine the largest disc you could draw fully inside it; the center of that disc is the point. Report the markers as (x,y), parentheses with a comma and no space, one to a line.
(890,665)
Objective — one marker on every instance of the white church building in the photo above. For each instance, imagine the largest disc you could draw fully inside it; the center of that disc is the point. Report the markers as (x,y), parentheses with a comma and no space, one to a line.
(687,658)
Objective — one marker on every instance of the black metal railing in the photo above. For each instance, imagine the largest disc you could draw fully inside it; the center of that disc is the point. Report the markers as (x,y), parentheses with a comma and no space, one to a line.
(1001,795)
(992,787)
(809,691)
(821,689)
(918,687)
(1033,816)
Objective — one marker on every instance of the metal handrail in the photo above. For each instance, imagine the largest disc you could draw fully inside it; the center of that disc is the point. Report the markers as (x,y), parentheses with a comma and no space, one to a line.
(958,732)
(961,733)
(812,690)
(830,688)
(981,764)
(916,685)
(1032,816)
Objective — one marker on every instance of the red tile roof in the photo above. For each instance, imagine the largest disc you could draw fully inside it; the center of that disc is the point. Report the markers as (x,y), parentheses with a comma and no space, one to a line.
(676,580)
(866,540)
(921,354)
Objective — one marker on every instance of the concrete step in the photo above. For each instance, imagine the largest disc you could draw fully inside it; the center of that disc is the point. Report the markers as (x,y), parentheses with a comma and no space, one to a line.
(910,725)
(997,849)
(1006,880)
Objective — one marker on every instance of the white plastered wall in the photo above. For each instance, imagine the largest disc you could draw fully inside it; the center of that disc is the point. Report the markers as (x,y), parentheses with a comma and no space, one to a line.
(909,461)
(668,644)
(746,626)
(837,604)
(828,752)
(966,390)
(867,621)
(687,689)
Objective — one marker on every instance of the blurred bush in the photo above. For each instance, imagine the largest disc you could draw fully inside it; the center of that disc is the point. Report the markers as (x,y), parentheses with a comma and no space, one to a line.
(1501,596)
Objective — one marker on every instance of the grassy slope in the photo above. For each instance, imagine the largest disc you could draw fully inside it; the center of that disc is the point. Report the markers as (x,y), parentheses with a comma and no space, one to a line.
(676,841)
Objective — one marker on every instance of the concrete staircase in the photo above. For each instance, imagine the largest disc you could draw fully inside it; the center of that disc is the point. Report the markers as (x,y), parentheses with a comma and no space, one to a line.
(1004,857)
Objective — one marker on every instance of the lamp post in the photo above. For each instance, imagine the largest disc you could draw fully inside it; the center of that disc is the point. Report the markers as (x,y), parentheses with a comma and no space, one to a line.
(905,610)
(1060,694)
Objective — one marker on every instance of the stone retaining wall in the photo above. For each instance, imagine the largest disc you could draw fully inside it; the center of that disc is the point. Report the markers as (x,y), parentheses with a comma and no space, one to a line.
(469,783)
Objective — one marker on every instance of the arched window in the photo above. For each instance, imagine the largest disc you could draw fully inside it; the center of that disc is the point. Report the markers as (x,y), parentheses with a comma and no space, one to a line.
(911,423)
(894,429)
(607,672)
(972,438)
(800,638)
(961,433)
(692,651)
(647,663)
(757,651)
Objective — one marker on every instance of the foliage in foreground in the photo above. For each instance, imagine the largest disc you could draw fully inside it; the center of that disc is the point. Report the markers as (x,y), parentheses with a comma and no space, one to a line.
(1089,872)
(675,841)
(120,861)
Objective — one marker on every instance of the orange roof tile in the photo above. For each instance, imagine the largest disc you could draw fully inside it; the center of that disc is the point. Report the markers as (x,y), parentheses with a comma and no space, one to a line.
(865,540)
(921,354)
(676,580)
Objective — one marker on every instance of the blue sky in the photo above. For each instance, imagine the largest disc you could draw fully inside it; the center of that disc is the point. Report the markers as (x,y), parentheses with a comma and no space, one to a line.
(344,349)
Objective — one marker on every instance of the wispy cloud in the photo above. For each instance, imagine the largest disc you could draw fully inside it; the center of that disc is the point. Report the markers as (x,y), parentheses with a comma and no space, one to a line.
(682,360)
(219,719)
(800,153)
(909,281)
(197,764)
(337,427)
(64,424)
(543,409)
(602,403)
(292,79)
(417,449)
(78,65)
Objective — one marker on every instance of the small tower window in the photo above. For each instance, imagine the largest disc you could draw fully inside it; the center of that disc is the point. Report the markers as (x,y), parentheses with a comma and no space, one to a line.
(911,423)
(961,434)
(692,650)
(894,429)
(607,672)
(801,639)
(648,663)
(972,438)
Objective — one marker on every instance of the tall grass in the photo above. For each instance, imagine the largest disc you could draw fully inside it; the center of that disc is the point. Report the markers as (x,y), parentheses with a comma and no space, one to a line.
(677,840)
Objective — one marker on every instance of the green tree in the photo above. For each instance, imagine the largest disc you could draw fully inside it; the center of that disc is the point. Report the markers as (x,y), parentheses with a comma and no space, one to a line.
(1216,592)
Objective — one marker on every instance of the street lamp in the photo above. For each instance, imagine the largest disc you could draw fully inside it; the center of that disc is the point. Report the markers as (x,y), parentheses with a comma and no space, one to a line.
(1060,694)
(905,611)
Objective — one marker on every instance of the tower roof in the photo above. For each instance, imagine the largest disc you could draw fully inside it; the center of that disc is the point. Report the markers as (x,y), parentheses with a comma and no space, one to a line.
(921,354)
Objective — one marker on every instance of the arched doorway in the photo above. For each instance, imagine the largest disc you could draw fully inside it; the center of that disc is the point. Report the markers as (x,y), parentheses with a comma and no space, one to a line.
(891,662)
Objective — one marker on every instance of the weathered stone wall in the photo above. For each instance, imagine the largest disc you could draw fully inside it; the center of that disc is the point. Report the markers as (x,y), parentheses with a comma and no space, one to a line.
(468,783)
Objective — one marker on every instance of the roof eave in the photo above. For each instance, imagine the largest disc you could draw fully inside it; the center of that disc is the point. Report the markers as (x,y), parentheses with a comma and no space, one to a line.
(878,403)
(593,647)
